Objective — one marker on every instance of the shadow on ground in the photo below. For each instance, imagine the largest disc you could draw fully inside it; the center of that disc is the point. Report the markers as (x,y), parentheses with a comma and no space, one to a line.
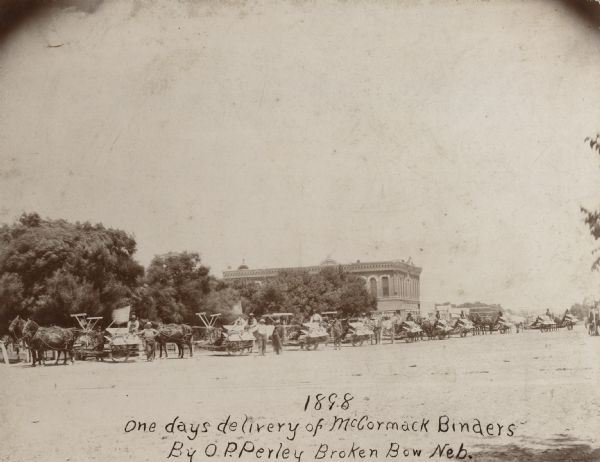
(559,449)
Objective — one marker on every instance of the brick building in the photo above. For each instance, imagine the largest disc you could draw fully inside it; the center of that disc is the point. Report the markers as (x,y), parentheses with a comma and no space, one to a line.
(395,283)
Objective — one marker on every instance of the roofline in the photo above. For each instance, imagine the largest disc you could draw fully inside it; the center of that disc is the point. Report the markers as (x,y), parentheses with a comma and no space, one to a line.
(350,267)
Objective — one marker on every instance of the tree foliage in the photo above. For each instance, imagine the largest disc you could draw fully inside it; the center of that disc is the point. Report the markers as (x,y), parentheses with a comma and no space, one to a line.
(226,302)
(580,310)
(592,217)
(176,286)
(50,269)
(299,292)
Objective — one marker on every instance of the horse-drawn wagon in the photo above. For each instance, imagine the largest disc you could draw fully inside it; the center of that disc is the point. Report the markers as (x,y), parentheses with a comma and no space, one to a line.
(411,331)
(357,332)
(441,329)
(568,321)
(463,326)
(234,338)
(312,334)
(116,343)
(544,324)
(503,326)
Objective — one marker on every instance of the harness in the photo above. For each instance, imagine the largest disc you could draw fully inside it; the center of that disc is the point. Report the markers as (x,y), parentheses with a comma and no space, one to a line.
(49,346)
(170,337)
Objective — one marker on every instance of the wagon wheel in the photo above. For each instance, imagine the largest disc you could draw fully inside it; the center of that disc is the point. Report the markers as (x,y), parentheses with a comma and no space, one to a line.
(119,354)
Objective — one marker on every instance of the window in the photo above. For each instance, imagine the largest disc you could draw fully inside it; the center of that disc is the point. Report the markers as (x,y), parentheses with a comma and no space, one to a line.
(385,286)
(373,286)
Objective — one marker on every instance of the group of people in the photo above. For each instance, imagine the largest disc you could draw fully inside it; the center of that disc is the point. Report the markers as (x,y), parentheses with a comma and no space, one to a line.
(261,332)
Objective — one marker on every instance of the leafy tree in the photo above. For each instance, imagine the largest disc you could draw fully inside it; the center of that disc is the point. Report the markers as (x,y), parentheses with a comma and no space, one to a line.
(580,311)
(592,217)
(225,302)
(61,268)
(177,285)
(299,292)
(11,297)
(249,292)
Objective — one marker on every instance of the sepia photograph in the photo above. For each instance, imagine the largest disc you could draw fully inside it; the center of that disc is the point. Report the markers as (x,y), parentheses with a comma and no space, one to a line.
(299,230)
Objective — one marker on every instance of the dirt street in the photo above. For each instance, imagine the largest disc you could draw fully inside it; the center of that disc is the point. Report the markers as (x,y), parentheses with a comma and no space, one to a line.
(542,388)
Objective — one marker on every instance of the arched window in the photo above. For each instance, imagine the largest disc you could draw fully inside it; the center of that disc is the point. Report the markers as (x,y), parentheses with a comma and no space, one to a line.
(373,286)
(385,286)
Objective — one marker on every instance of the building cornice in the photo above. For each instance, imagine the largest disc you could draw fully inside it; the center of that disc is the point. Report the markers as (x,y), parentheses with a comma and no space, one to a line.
(358,267)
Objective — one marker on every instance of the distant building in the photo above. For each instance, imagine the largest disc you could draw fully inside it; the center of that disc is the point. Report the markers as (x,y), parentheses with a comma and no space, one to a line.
(395,284)
(449,312)
(484,310)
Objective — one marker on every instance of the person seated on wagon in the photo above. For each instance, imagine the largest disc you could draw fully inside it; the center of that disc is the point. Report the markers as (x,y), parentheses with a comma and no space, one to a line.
(409,316)
(252,322)
(133,325)
(315,317)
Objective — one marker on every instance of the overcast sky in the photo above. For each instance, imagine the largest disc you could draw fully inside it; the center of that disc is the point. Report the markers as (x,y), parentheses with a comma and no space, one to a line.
(283,132)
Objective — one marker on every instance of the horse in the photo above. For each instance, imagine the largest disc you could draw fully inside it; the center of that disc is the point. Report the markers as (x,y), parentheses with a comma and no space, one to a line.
(75,334)
(15,330)
(179,334)
(479,324)
(428,328)
(463,326)
(41,339)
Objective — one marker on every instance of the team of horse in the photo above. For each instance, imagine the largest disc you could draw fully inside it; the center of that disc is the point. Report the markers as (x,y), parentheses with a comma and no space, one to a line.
(179,334)
(38,340)
(41,339)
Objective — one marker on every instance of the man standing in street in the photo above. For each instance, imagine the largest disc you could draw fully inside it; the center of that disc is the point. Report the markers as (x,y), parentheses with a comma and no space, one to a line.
(377,327)
(336,332)
(251,327)
(149,335)
(277,337)
(261,335)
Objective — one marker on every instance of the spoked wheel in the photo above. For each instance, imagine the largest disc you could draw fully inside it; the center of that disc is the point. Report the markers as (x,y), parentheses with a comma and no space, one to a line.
(231,349)
(119,354)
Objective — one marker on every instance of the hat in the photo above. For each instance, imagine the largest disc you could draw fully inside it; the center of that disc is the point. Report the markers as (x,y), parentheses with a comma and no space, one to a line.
(262,321)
